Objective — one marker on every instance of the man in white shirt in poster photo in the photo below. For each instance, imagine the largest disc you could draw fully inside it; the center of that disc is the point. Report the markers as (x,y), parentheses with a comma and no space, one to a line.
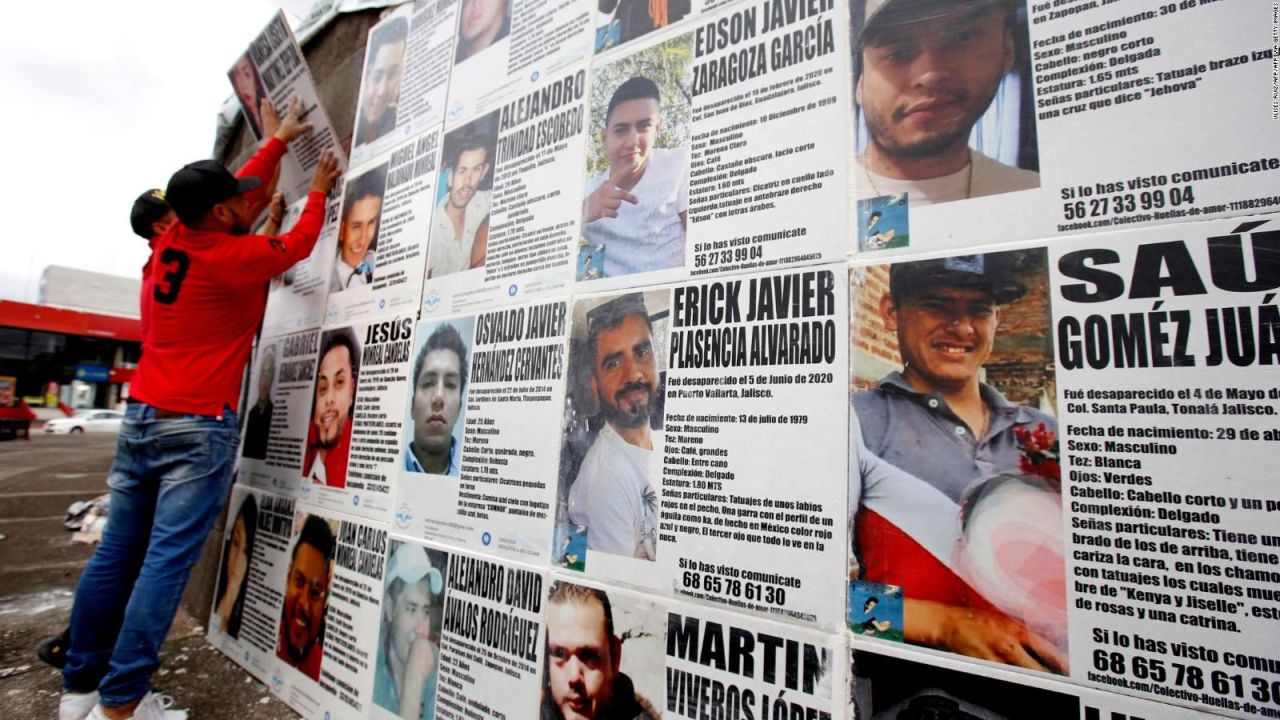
(612,495)
(460,226)
(638,209)
(358,231)
(926,71)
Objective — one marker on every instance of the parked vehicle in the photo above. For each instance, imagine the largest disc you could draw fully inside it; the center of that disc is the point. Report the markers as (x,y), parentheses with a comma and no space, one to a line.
(94,421)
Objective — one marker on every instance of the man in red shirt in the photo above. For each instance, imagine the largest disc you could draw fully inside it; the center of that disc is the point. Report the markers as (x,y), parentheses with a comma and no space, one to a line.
(149,217)
(177,443)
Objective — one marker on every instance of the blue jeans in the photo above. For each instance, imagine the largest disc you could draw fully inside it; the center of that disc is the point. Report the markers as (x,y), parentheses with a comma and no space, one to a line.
(168,484)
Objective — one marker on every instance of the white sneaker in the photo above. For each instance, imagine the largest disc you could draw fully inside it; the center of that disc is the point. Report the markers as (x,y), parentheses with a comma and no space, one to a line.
(152,707)
(76,706)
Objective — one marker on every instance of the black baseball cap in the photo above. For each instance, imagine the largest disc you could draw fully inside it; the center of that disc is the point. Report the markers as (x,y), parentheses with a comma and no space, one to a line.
(992,273)
(876,14)
(148,209)
(200,185)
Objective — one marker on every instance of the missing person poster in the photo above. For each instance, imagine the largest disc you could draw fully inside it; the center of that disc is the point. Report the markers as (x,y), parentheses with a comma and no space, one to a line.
(296,297)
(605,654)
(1009,120)
(353,433)
(482,410)
(491,636)
(1059,459)
(251,577)
(893,684)
(274,68)
(274,438)
(505,48)
(508,207)
(717,148)
(697,418)
(332,594)
(405,79)
(382,231)
(732,665)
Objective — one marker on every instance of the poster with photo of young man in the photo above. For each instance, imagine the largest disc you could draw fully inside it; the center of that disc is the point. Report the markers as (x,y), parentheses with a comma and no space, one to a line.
(1011,120)
(478,451)
(717,148)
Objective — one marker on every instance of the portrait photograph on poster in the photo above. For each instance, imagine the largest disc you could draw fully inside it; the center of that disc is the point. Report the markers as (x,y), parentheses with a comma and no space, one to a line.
(382,80)
(306,594)
(329,432)
(943,100)
(955,494)
(607,501)
(257,424)
(635,209)
(438,398)
(250,92)
(464,196)
(408,659)
(481,24)
(357,256)
(237,553)
(604,654)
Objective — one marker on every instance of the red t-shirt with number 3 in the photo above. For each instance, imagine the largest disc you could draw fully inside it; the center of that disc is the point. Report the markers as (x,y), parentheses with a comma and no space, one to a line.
(203,297)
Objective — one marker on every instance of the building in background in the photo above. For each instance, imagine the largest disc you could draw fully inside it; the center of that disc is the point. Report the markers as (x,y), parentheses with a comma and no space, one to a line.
(94,292)
(79,346)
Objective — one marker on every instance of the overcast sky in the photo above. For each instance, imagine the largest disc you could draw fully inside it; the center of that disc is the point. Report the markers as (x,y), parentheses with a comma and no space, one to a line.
(102,101)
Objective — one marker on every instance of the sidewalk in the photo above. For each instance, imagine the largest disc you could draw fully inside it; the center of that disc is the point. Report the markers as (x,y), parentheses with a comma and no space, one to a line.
(39,567)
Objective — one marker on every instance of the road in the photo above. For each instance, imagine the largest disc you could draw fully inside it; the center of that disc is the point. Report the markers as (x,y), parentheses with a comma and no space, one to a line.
(39,567)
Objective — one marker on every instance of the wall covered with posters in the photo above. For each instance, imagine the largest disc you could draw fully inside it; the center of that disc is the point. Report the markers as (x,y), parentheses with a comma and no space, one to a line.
(774,359)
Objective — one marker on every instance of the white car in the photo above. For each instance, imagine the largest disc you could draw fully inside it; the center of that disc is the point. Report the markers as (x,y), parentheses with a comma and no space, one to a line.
(94,421)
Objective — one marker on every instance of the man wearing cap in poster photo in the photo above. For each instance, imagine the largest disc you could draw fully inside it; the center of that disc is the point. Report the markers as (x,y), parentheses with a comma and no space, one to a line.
(404,681)
(926,71)
(612,495)
(207,283)
(383,76)
(637,209)
(306,596)
(329,435)
(928,433)
(582,679)
(439,380)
